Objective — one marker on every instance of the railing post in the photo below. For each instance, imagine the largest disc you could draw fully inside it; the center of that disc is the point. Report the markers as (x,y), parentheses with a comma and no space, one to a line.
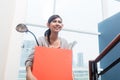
(93,73)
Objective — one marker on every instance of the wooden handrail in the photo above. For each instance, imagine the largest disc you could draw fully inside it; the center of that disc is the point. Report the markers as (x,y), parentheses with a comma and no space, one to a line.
(93,74)
(108,48)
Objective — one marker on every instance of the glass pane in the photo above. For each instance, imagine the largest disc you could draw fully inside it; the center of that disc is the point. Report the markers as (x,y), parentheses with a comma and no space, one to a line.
(80,14)
(38,11)
(76,14)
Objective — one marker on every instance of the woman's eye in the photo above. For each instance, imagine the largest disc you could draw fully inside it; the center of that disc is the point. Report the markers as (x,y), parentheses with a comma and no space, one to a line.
(54,21)
(57,21)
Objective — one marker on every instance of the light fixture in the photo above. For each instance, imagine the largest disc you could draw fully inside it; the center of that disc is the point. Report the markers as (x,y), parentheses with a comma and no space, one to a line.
(23,28)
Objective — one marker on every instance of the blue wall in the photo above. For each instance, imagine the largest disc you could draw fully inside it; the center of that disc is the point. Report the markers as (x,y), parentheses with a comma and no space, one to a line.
(109,29)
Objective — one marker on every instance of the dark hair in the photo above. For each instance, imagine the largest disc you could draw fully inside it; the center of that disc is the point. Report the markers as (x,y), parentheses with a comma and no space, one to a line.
(53,17)
(48,32)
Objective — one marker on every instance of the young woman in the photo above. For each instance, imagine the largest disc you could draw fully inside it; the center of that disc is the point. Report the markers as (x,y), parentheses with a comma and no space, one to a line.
(51,39)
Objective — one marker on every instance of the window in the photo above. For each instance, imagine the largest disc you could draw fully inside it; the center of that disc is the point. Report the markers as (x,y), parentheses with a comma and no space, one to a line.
(80,25)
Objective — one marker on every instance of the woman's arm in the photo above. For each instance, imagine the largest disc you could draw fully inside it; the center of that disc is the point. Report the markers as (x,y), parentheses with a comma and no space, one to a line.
(29,63)
(29,75)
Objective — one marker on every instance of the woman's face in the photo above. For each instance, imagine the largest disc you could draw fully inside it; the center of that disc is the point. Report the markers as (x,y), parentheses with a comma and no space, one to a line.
(55,25)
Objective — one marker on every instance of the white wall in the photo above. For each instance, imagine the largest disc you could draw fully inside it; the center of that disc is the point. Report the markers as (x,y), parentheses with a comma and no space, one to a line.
(12,12)
(6,18)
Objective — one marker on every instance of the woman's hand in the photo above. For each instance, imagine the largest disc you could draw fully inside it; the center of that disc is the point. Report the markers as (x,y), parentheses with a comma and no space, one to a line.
(29,75)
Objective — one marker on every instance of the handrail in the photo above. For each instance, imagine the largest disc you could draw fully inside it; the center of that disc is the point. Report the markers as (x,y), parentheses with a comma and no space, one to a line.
(108,48)
(93,73)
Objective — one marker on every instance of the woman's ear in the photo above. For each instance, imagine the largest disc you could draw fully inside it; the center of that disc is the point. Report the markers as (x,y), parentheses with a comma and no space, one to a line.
(62,25)
(48,25)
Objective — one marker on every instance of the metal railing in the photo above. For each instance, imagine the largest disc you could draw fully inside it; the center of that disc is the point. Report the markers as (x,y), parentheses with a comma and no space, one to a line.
(93,70)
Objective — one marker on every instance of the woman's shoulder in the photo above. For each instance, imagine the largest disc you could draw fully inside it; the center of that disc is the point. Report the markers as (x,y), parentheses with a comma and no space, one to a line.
(41,38)
(42,41)
(63,40)
(64,43)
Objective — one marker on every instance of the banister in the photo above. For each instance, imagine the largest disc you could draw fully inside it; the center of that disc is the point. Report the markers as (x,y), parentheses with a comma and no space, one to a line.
(93,73)
(108,48)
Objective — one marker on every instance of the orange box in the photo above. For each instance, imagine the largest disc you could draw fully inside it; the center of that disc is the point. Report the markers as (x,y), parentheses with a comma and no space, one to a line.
(52,64)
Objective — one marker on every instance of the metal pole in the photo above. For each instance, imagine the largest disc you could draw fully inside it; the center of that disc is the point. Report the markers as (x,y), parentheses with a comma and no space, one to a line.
(34,37)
